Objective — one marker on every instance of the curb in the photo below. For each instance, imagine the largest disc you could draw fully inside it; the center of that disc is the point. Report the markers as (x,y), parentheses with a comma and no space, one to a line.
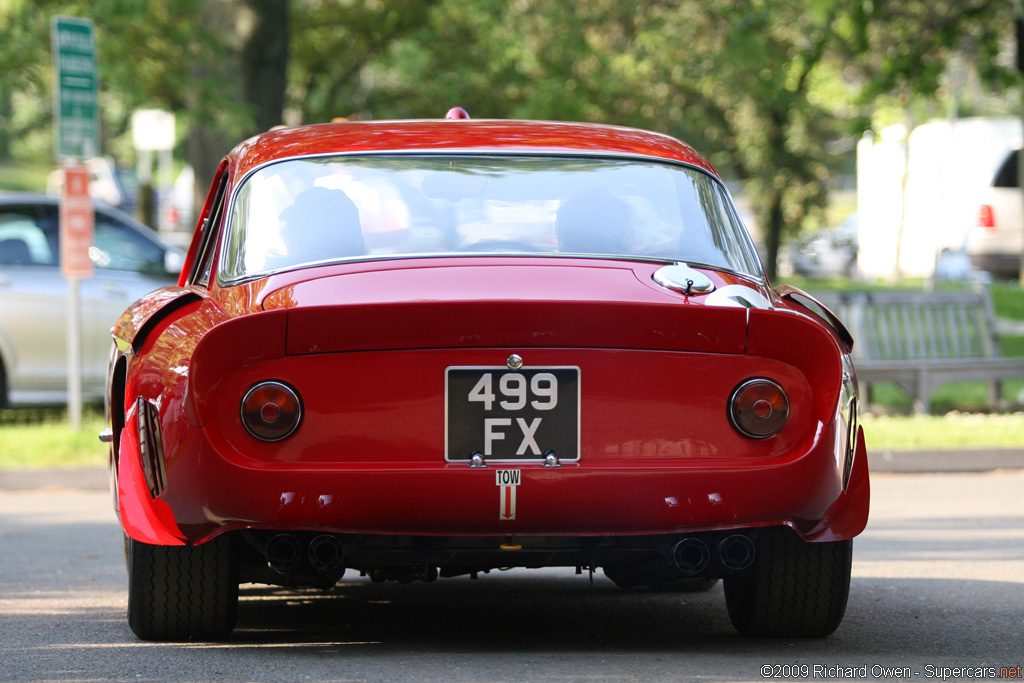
(82,478)
(970,460)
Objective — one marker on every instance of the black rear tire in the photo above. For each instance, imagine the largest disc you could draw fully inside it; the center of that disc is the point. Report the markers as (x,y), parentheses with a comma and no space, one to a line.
(793,589)
(182,592)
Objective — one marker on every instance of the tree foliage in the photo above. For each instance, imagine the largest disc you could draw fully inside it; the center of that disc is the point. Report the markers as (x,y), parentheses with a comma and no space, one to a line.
(737,78)
(776,92)
(129,34)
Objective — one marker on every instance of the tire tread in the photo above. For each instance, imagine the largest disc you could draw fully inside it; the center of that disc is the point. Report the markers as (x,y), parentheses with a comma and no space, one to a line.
(795,588)
(182,592)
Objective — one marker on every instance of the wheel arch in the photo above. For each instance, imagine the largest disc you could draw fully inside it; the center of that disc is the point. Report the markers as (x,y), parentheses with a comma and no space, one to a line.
(4,403)
(115,407)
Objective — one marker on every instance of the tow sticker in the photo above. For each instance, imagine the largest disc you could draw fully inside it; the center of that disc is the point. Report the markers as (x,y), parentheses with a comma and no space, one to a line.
(507,481)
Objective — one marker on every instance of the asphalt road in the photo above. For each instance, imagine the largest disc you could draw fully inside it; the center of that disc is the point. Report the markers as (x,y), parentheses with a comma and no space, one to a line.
(938,584)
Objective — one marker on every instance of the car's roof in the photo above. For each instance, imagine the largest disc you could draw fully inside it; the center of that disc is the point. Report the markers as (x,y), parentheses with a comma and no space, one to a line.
(39,199)
(8,198)
(27,198)
(477,135)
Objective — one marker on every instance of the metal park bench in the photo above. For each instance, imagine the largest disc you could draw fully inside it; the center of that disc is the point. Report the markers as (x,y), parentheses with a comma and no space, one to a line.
(920,340)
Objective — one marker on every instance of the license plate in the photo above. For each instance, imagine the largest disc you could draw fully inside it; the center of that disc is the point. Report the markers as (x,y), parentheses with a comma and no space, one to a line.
(512,415)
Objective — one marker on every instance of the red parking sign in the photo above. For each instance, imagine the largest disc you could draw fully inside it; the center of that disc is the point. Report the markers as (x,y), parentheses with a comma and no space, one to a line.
(76,224)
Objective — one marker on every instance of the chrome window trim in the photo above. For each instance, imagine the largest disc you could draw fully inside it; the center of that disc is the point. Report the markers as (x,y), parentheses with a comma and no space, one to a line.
(759,278)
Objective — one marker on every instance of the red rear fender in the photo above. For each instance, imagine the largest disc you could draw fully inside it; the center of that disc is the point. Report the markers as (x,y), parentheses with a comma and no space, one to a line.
(805,344)
(145,519)
(228,347)
(144,315)
(848,516)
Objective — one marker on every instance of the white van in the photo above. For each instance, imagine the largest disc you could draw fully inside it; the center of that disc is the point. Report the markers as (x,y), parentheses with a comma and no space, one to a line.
(996,243)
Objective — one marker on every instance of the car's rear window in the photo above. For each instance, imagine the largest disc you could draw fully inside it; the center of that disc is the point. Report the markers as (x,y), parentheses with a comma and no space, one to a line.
(1007,174)
(301,212)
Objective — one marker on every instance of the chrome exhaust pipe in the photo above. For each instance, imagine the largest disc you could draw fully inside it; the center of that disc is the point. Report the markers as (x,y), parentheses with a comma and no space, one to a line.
(691,556)
(326,554)
(284,552)
(736,552)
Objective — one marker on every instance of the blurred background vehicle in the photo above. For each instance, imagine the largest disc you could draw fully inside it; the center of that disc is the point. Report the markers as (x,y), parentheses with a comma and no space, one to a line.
(829,252)
(129,259)
(996,243)
(118,186)
(109,183)
(954,265)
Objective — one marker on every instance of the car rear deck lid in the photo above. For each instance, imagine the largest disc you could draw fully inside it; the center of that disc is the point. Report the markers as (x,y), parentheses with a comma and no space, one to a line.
(457,303)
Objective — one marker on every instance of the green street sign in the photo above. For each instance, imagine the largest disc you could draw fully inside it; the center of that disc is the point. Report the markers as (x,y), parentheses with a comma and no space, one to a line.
(76,109)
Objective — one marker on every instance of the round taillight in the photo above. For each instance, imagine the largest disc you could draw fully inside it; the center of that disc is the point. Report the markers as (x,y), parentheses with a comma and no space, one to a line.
(758,408)
(271,411)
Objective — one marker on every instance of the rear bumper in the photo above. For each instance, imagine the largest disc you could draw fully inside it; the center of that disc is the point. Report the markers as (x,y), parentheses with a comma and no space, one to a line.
(308,558)
(999,264)
(586,499)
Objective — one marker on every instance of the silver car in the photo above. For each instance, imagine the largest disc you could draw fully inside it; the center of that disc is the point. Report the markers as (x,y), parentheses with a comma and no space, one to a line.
(130,261)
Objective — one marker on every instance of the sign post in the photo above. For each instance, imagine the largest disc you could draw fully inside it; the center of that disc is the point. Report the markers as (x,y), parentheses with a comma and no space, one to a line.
(77,222)
(76,115)
(153,131)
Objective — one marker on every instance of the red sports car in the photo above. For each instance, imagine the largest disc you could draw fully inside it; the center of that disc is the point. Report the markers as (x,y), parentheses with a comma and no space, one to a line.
(425,349)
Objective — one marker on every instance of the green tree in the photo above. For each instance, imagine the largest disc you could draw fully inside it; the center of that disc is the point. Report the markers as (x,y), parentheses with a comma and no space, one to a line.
(748,87)
(238,80)
(733,77)
(774,91)
(227,68)
(334,45)
(144,53)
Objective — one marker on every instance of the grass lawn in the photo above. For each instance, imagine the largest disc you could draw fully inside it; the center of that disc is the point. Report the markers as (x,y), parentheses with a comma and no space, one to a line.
(34,437)
(943,432)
